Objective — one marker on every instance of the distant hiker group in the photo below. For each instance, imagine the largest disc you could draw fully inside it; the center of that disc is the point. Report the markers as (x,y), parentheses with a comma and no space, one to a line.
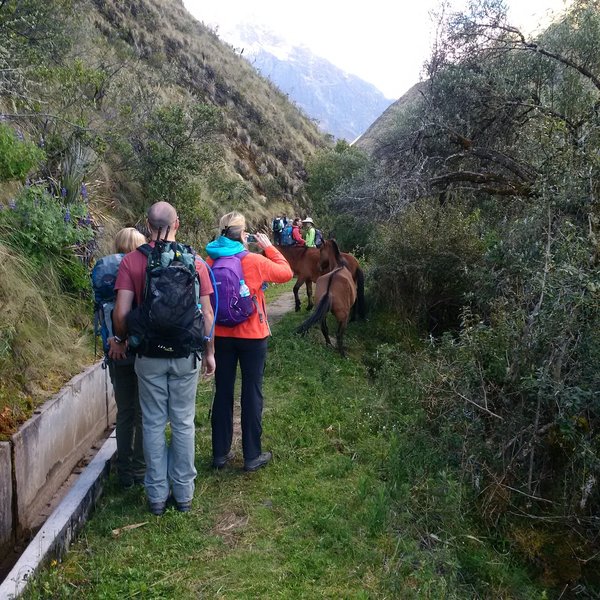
(165,316)
(288,233)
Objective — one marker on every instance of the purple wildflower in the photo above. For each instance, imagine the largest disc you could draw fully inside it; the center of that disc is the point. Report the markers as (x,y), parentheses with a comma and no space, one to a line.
(41,142)
(88,219)
(84,192)
(67,215)
(20,135)
(2,207)
(63,192)
(12,204)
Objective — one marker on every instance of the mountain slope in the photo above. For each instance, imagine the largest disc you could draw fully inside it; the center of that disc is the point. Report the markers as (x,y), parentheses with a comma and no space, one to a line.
(343,104)
(266,138)
(373,139)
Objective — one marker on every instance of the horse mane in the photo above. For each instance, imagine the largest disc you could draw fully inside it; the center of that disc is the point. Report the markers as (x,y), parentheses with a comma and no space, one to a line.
(339,259)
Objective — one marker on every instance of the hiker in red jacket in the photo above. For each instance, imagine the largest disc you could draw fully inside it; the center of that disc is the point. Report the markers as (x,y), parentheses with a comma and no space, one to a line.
(296,235)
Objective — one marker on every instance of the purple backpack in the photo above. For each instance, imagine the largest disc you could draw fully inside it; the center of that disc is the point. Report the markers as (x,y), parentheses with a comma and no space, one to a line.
(233,309)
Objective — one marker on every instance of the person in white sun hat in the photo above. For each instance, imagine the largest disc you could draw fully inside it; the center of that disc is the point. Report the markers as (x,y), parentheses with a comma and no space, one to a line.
(309,232)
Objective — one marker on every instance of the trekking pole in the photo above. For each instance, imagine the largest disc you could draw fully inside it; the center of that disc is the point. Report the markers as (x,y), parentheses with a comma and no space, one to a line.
(212,402)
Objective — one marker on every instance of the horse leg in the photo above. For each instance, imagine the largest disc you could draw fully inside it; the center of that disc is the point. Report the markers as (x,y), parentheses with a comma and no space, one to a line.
(353,312)
(340,336)
(297,286)
(325,330)
(309,293)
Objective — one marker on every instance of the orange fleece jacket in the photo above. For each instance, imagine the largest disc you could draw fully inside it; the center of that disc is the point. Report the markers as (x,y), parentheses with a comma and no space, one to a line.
(272,268)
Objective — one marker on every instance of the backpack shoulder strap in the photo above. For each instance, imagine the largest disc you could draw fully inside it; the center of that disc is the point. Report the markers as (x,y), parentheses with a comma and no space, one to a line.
(145,249)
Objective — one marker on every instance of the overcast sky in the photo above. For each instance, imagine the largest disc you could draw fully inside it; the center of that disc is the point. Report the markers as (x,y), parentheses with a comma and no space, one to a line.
(382,42)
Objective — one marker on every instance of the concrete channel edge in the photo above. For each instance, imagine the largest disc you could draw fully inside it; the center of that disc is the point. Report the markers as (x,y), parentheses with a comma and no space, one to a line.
(55,536)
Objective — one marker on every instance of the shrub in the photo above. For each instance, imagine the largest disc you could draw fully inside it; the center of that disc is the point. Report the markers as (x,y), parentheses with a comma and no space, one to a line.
(425,259)
(352,234)
(17,156)
(178,145)
(46,230)
(38,223)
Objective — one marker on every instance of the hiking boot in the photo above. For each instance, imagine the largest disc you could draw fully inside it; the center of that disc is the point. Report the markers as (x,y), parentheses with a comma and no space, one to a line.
(256,463)
(157,508)
(219,462)
(184,506)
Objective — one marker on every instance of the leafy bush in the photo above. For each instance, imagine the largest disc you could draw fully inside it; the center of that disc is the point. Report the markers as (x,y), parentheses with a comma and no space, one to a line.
(39,224)
(328,170)
(48,231)
(272,188)
(424,261)
(352,234)
(17,156)
(231,191)
(178,145)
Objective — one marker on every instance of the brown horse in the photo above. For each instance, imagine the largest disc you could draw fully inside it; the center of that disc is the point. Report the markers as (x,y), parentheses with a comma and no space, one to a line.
(349,261)
(336,292)
(305,264)
(308,265)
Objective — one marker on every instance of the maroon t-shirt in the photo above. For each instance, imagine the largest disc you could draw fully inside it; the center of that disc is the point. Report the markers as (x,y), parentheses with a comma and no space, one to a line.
(132,275)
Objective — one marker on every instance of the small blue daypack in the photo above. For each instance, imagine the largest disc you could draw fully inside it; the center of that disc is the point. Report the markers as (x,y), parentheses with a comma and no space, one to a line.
(104,276)
(318,238)
(286,236)
(233,309)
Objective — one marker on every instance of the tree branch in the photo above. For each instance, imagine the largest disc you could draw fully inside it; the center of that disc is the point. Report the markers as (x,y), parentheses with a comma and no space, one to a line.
(535,47)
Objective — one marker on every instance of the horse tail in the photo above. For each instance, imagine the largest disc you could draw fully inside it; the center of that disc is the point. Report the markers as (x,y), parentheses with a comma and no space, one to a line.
(320,311)
(360,294)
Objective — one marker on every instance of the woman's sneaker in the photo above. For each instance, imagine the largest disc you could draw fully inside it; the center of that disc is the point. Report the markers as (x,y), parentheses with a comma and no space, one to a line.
(219,462)
(256,463)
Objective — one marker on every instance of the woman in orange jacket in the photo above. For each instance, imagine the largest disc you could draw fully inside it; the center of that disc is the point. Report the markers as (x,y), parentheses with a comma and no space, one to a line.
(245,343)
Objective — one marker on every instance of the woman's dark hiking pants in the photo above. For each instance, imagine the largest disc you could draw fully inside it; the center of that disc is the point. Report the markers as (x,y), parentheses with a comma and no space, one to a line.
(251,355)
(130,444)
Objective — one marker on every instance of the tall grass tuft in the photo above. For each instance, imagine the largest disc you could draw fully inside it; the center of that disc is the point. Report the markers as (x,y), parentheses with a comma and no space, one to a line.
(41,345)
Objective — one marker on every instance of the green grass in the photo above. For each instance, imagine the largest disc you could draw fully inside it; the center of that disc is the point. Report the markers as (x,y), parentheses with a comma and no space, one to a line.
(359,502)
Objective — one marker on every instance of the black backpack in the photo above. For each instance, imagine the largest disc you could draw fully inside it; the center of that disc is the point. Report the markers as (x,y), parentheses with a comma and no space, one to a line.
(169,322)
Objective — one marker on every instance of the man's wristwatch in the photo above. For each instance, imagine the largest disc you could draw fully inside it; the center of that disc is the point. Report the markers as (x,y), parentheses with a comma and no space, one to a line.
(118,339)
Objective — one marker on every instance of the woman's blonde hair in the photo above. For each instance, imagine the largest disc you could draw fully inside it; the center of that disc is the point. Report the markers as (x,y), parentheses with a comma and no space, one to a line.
(128,239)
(232,224)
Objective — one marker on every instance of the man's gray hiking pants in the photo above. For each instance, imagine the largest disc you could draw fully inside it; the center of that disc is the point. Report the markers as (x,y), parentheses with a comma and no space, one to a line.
(167,389)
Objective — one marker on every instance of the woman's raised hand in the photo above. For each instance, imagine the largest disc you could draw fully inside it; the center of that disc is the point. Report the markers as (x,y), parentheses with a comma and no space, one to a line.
(263,240)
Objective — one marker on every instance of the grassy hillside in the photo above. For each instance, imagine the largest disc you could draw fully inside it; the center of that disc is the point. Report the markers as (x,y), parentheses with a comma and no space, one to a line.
(106,107)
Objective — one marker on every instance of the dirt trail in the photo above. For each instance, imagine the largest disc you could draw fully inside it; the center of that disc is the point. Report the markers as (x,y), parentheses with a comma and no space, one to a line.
(275,311)
(279,307)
